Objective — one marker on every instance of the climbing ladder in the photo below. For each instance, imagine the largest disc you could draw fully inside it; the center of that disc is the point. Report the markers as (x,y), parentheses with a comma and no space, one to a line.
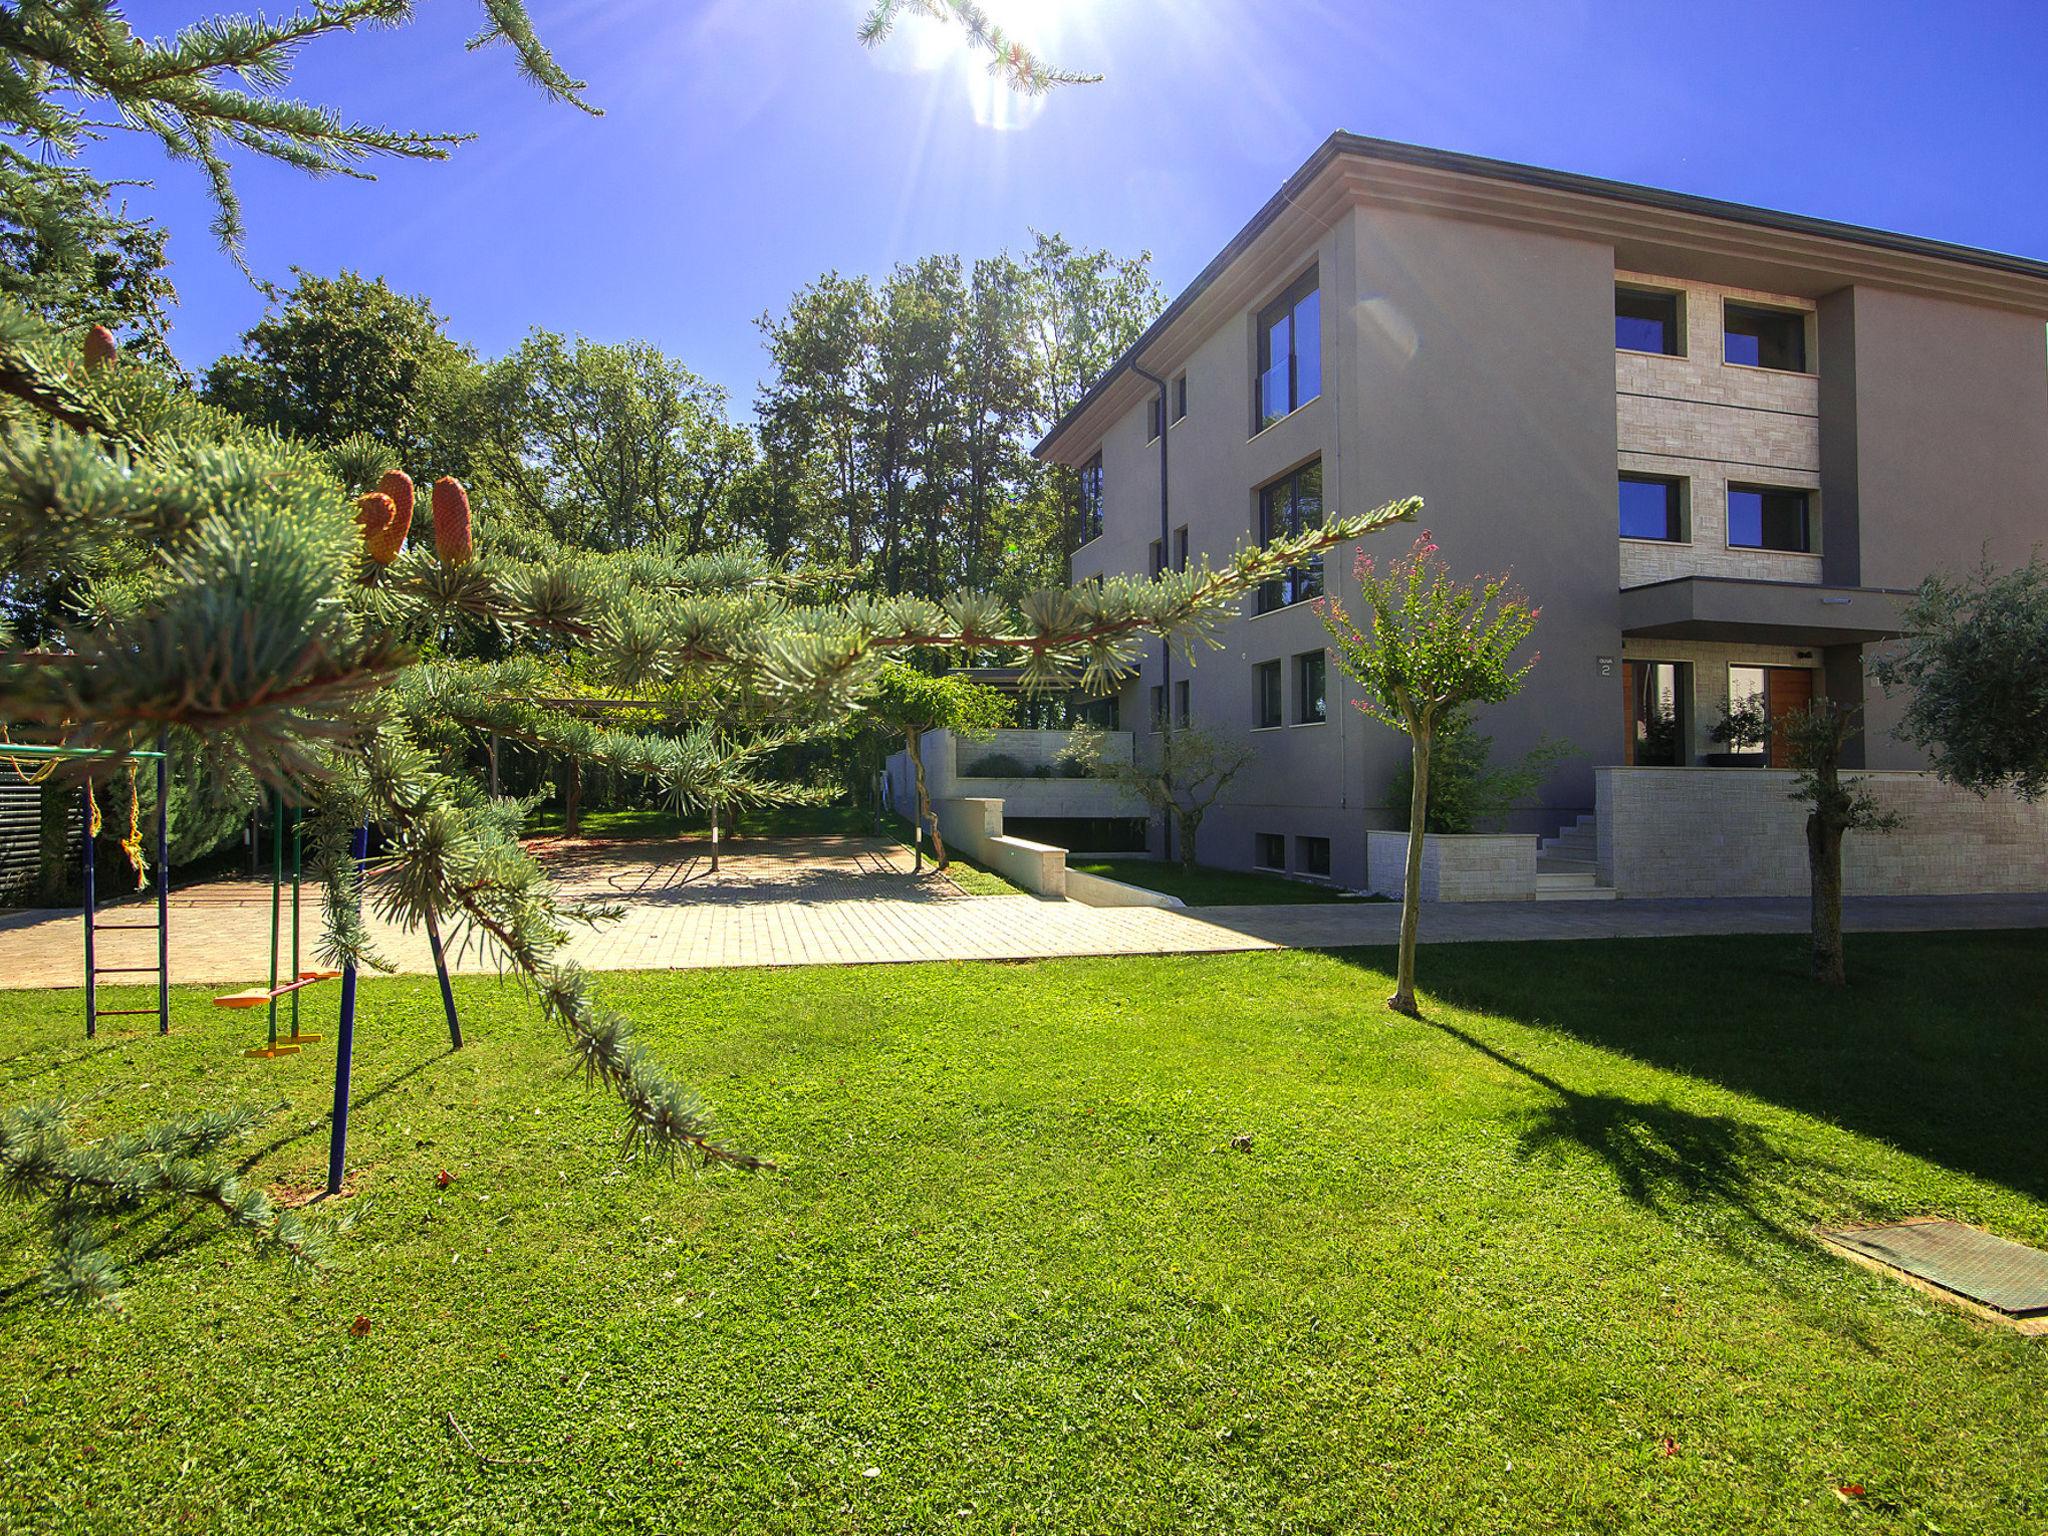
(12,751)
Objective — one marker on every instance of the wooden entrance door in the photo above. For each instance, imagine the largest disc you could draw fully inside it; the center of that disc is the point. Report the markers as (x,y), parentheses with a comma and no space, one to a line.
(1787,691)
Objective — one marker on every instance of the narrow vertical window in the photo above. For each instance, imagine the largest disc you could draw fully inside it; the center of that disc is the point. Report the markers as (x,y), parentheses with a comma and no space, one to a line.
(1152,420)
(1269,710)
(1091,499)
(1290,353)
(1180,704)
(1180,549)
(1311,707)
(1180,397)
(1292,505)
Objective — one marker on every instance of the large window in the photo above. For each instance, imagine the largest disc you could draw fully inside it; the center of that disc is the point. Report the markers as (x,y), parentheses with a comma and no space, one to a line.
(1290,353)
(1091,499)
(1268,710)
(1760,517)
(1310,705)
(1647,321)
(1652,508)
(1289,506)
(1659,712)
(1755,337)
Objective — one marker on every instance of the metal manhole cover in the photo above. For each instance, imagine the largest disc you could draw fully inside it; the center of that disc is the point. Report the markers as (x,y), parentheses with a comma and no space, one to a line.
(2009,1276)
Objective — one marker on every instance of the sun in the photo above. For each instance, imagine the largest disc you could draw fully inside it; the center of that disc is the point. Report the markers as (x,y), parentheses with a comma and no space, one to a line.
(1056,30)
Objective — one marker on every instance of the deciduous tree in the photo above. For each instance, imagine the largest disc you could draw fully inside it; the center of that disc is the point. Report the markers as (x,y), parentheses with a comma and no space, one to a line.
(1431,644)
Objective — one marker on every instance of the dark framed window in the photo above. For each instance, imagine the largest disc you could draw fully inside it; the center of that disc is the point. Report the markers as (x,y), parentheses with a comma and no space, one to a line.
(1761,517)
(1152,420)
(1180,397)
(1659,713)
(1292,505)
(1290,353)
(1310,705)
(1652,507)
(1158,692)
(1646,320)
(1158,557)
(1180,549)
(1269,850)
(1180,704)
(1756,337)
(1101,713)
(1091,499)
(1312,856)
(1269,711)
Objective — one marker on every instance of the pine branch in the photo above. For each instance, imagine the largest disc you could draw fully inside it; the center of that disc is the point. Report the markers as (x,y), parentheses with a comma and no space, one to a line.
(1017,66)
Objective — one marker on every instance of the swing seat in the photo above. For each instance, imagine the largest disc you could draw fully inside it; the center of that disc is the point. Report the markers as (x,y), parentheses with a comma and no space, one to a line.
(282,1048)
(256,997)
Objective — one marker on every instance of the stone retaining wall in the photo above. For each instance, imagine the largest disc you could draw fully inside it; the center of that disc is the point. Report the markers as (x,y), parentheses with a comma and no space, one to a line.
(1466,866)
(1738,832)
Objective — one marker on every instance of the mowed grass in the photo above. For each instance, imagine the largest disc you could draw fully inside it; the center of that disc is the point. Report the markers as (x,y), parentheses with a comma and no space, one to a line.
(1539,1265)
(1206,887)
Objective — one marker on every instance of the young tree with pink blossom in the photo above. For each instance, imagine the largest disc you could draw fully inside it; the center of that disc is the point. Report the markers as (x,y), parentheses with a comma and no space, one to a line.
(1431,644)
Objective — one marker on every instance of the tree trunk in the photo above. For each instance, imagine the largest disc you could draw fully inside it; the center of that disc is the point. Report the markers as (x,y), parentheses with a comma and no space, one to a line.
(1403,1000)
(1189,821)
(1824,865)
(572,799)
(56,873)
(925,815)
(714,837)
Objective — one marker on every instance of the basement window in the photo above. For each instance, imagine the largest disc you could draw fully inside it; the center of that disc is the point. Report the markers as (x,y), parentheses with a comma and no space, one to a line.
(1269,850)
(1312,856)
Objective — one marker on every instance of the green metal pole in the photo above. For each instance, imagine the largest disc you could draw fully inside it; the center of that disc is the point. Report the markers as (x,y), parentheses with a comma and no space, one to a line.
(298,850)
(276,897)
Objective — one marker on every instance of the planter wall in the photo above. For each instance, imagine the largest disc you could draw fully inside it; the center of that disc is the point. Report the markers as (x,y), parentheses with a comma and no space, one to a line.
(1456,866)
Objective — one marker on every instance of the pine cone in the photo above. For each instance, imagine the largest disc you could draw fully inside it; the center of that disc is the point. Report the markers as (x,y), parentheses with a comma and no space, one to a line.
(100,348)
(452,533)
(397,484)
(376,513)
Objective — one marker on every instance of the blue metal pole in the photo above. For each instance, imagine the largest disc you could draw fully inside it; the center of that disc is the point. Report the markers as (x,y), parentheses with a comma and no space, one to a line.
(163,886)
(344,1045)
(92,1012)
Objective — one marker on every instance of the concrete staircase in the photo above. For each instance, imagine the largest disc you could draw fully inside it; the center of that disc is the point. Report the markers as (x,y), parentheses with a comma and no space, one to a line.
(1565,868)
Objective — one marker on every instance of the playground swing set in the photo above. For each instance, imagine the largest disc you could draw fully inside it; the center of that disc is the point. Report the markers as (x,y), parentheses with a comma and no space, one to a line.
(252,997)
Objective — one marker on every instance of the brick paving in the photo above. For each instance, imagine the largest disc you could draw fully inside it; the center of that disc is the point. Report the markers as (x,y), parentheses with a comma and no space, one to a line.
(845,901)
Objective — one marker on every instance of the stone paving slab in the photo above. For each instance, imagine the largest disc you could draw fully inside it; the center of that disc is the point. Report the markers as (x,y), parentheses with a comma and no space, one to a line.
(851,902)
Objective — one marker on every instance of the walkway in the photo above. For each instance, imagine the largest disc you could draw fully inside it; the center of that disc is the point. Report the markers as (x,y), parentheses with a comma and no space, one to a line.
(850,901)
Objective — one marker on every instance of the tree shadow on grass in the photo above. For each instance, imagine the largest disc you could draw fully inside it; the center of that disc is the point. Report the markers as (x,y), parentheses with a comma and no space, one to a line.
(1938,1046)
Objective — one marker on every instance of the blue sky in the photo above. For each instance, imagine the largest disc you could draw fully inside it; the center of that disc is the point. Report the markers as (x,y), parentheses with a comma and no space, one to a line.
(749,145)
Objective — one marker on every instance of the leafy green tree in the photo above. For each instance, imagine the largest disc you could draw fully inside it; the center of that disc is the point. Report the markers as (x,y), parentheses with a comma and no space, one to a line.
(607,446)
(1974,664)
(1180,773)
(74,260)
(905,702)
(1816,736)
(1467,789)
(1432,645)
(347,356)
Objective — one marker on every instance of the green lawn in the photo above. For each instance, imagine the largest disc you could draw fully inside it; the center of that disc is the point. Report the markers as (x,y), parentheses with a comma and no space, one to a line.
(1539,1265)
(1211,887)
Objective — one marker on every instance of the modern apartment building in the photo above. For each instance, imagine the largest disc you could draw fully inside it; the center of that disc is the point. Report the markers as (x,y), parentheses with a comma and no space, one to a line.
(1715,443)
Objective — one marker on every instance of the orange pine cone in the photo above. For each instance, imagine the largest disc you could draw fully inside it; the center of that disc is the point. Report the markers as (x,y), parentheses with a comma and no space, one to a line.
(452,531)
(100,348)
(375,515)
(397,484)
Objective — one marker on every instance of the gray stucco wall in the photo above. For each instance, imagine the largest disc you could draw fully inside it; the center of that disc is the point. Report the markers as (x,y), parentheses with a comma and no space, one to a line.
(1934,441)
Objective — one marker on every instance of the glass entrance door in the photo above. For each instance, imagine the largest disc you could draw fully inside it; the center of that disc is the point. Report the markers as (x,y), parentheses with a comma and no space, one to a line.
(1657,696)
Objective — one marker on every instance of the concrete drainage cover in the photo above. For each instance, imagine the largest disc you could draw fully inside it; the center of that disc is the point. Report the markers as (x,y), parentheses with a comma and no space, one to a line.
(2007,1276)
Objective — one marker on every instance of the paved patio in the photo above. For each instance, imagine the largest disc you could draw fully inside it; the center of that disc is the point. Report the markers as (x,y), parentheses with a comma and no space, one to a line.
(852,900)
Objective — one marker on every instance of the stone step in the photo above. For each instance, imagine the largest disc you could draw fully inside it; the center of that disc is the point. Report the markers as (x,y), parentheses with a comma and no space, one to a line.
(1564,864)
(1576,893)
